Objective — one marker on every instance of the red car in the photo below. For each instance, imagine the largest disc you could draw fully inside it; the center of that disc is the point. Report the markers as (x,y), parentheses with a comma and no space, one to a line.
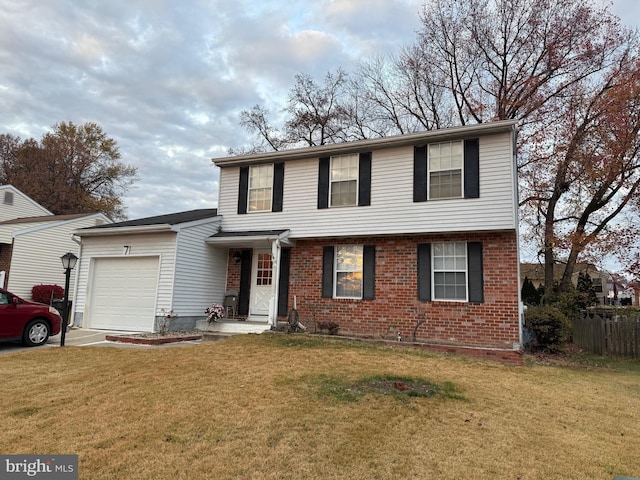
(30,322)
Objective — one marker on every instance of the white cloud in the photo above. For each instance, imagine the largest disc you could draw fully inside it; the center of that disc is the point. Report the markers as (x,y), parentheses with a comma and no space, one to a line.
(167,78)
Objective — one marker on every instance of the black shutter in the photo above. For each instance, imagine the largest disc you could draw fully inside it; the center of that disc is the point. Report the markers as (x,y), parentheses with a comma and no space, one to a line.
(364,183)
(369,273)
(424,272)
(327,271)
(243,190)
(420,174)
(323,182)
(245,283)
(278,184)
(283,282)
(474,265)
(472,168)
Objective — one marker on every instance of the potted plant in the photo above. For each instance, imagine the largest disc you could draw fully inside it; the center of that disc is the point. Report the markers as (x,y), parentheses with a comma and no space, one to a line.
(214,312)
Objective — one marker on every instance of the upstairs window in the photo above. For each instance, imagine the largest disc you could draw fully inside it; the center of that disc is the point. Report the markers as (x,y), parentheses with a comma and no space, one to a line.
(446,170)
(344,181)
(260,188)
(445,162)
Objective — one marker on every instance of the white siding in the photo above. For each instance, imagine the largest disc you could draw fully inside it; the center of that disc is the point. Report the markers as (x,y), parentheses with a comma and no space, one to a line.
(162,244)
(22,206)
(200,271)
(392,210)
(7,231)
(36,256)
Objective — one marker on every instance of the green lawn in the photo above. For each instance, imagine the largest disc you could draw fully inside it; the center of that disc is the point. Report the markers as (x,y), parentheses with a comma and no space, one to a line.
(302,407)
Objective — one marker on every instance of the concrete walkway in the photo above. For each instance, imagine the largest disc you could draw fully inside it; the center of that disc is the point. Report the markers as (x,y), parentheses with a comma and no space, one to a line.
(79,337)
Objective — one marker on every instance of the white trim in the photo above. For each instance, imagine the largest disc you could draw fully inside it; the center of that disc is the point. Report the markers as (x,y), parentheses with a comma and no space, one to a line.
(45,224)
(335,272)
(450,270)
(250,188)
(430,170)
(376,143)
(350,156)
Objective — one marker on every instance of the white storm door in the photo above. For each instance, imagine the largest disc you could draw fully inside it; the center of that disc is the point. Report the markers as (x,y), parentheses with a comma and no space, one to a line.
(261,283)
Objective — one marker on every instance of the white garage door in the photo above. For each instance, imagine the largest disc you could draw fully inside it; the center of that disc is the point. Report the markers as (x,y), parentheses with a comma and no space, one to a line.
(123,293)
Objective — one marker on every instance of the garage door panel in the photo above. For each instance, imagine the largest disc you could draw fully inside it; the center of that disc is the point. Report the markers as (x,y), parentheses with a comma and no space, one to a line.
(123,293)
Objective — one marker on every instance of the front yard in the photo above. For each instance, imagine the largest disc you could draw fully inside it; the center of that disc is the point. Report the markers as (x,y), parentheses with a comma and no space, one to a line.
(300,407)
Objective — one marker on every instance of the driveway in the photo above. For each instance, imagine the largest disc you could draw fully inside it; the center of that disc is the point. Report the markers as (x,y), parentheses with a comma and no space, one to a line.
(77,337)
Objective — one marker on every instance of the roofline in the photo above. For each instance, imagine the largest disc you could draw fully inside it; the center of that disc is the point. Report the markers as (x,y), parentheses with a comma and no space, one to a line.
(2,187)
(46,224)
(244,239)
(360,145)
(104,231)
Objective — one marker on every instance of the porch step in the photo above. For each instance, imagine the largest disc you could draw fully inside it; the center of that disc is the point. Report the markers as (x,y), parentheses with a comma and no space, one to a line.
(231,327)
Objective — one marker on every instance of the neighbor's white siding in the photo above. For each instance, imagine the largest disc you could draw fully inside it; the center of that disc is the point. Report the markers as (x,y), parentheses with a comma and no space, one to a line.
(35,259)
(162,244)
(200,277)
(22,205)
(392,210)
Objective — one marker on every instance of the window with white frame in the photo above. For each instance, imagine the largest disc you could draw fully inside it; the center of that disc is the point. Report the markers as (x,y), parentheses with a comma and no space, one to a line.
(449,271)
(343,182)
(348,271)
(445,162)
(260,188)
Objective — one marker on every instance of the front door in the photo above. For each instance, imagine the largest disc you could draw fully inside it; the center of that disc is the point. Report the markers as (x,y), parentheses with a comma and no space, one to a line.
(261,285)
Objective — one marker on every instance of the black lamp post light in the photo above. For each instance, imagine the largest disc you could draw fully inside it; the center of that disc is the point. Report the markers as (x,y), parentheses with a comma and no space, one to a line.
(68,262)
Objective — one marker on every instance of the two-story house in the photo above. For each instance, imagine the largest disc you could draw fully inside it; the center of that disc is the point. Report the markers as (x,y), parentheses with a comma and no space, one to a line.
(412,235)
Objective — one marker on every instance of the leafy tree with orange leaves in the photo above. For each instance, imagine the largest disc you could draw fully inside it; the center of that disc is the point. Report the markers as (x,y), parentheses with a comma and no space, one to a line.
(72,169)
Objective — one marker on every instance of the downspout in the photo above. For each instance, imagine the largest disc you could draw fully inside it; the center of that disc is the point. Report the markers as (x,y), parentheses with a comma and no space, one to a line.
(76,281)
(516,202)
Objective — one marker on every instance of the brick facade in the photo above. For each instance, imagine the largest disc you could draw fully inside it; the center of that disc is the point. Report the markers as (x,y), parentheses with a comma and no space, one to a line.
(5,261)
(396,310)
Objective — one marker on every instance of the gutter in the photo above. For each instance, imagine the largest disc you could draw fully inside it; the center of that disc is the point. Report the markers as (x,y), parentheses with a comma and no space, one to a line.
(105,231)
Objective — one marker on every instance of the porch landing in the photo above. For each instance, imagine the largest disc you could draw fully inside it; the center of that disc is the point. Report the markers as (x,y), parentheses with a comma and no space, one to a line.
(231,327)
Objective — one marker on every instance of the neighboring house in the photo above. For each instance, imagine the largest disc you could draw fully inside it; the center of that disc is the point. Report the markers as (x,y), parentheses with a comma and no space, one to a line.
(601,280)
(133,274)
(31,247)
(412,236)
(15,204)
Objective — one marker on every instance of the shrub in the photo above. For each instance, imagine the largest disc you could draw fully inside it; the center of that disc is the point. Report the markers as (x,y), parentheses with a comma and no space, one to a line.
(551,329)
(330,327)
(46,293)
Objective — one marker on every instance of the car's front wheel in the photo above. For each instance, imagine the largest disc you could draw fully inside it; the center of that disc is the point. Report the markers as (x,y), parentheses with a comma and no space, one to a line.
(35,333)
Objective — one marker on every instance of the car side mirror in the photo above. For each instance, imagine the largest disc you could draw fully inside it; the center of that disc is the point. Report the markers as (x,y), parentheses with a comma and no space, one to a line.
(14,301)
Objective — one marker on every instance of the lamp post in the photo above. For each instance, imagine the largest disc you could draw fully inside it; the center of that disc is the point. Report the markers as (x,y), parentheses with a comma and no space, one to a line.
(68,262)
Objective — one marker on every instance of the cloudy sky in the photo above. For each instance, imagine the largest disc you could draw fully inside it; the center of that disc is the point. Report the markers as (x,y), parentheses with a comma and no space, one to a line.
(168,79)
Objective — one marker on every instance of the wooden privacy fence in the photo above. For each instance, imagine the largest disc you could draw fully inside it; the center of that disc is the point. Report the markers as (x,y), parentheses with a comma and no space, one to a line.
(616,335)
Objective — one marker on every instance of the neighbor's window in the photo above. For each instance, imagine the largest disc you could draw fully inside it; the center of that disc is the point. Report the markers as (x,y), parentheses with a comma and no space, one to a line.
(348,271)
(260,186)
(450,271)
(445,170)
(344,180)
